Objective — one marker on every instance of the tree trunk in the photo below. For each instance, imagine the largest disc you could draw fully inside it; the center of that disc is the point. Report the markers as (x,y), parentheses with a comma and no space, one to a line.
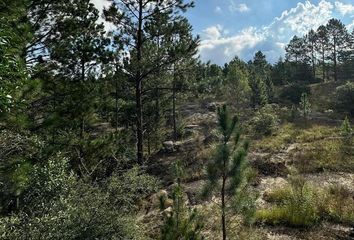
(82,128)
(335,60)
(313,61)
(116,105)
(223,217)
(138,88)
(323,66)
(174,109)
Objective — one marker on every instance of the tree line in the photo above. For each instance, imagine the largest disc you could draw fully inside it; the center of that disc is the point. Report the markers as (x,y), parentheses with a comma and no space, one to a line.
(326,53)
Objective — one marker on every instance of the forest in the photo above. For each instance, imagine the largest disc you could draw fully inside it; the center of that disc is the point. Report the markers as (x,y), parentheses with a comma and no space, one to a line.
(124,133)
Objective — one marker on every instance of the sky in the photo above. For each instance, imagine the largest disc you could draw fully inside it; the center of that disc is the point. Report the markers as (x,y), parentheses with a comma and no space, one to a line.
(230,28)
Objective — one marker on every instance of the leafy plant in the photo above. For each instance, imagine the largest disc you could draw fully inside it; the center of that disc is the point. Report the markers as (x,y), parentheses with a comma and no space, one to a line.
(265,121)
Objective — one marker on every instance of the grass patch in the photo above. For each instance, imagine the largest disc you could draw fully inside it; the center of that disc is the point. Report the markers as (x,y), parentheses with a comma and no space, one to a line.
(295,206)
(301,205)
(286,134)
(337,205)
(315,133)
(325,154)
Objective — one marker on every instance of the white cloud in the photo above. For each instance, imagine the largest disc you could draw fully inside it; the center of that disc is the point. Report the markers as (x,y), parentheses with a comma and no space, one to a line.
(223,49)
(271,39)
(218,10)
(351,26)
(242,7)
(303,17)
(344,9)
(213,32)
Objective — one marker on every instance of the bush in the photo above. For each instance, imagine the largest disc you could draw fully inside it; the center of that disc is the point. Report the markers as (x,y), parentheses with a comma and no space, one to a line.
(345,98)
(265,121)
(338,204)
(301,205)
(293,93)
(59,206)
(296,208)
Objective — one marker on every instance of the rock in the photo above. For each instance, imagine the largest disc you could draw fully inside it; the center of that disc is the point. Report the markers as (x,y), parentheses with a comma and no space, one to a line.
(168,146)
(329,111)
(168,203)
(212,106)
(168,211)
(192,126)
(211,138)
(155,199)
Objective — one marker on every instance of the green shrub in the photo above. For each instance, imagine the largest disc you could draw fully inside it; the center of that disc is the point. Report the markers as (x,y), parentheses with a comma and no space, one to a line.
(337,204)
(301,205)
(345,98)
(265,121)
(59,206)
(297,207)
(293,92)
(346,129)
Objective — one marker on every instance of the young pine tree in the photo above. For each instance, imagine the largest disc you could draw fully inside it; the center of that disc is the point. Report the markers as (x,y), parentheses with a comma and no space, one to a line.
(182,223)
(228,171)
(305,106)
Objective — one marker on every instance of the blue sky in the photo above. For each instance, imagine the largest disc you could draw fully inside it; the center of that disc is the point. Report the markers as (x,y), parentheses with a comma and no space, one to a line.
(230,28)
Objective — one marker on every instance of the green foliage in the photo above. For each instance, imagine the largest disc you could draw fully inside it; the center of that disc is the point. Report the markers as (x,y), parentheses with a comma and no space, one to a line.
(236,85)
(85,214)
(346,129)
(345,98)
(293,93)
(229,172)
(296,208)
(181,223)
(125,190)
(337,204)
(59,206)
(14,35)
(258,87)
(18,152)
(265,121)
(305,106)
(48,182)
(301,205)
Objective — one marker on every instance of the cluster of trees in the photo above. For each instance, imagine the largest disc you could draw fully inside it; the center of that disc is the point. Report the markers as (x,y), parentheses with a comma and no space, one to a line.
(82,109)
(77,104)
(327,53)
(242,84)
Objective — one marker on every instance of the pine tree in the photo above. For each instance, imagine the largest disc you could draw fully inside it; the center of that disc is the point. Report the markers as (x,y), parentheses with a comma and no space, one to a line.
(236,84)
(311,39)
(15,33)
(260,82)
(346,129)
(228,171)
(71,85)
(150,51)
(305,106)
(181,223)
(322,47)
(337,39)
(258,91)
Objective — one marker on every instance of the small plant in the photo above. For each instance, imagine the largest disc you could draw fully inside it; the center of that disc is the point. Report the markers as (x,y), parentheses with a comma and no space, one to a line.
(293,93)
(346,130)
(265,121)
(181,222)
(228,172)
(297,205)
(345,98)
(305,106)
